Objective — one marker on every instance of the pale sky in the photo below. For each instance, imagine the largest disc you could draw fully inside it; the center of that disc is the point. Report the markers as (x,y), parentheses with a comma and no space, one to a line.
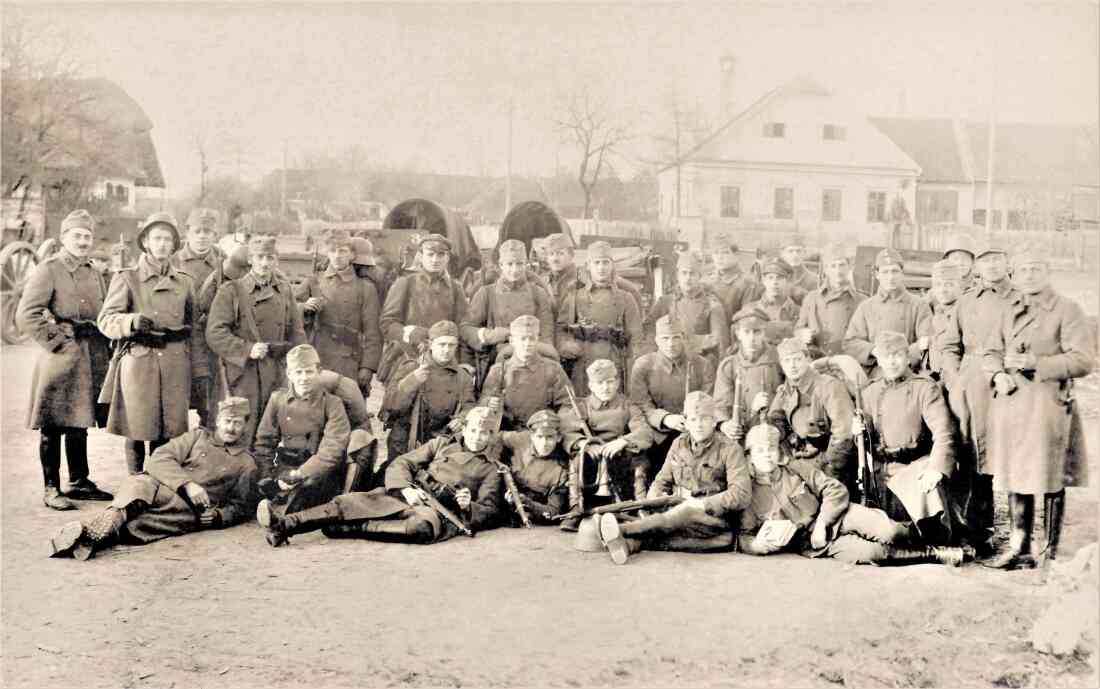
(429,85)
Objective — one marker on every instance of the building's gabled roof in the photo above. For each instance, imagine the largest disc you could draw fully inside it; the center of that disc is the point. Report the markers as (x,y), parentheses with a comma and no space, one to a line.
(931,143)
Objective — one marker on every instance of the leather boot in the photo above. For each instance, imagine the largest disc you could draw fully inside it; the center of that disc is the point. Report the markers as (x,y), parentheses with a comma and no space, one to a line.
(575,496)
(280,527)
(640,483)
(619,547)
(410,530)
(1053,515)
(953,557)
(95,535)
(135,456)
(49,456)
(80,487)
(1018,554)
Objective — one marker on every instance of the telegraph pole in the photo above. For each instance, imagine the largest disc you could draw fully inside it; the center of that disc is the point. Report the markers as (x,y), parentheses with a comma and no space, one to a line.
(282,203)
(508,175)
(992,145)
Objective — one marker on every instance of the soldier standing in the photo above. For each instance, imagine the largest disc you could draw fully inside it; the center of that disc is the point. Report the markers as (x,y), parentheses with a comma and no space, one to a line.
(199,258)
(913,442)
(659,382)
(942,363)
(712,476)
(775,300)
(198,480)
(827,311)
(893,308)
(755,366)
(527,381)
(978,313)
(253,323)
(417,301)
(431,392)
(458,477)
(802,281)
(1041,344)
(598,320)
(58,309)
(565,277)
(814,412)
(151,312)
(493,308)
(729,283)
(345,313)
(701,313)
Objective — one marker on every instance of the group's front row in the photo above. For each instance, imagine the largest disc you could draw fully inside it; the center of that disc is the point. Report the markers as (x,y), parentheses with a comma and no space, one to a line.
(706,496)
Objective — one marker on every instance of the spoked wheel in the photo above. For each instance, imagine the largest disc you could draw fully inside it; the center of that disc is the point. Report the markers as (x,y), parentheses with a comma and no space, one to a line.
(16,262)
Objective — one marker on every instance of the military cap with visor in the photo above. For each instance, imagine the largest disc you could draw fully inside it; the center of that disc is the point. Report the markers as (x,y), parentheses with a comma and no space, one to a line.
(889,257)
(775,266)
(436,241)
(749,317)
(544,419)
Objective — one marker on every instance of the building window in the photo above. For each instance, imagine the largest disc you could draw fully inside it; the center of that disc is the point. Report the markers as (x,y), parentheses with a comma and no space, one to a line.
(784,203)
(834,132)
(731,202)
(1017,220)
(876,206)
(775,130)
(937,205)
(979,218)
(830,205)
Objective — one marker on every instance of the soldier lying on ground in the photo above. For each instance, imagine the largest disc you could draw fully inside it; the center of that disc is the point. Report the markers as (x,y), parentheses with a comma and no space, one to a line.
(612,429)
(755,366)
(526,382)
(795,507)
(540,466)
(429,395)
(705,468)
(301,440)
(430,495)
(198,480)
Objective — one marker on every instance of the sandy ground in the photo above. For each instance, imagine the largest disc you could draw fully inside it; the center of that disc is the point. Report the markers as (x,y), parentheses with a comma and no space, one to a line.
(508,608)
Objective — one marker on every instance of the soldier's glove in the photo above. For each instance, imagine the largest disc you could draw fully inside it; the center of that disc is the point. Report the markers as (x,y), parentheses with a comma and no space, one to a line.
(143,324)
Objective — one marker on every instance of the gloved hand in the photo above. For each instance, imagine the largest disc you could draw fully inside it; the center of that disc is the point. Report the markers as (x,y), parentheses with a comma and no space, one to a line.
(143,324)
(365,376)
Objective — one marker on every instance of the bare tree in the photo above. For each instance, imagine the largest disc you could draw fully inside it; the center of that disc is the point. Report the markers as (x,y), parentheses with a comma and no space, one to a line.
(597,133)
(200,142)
(680,128)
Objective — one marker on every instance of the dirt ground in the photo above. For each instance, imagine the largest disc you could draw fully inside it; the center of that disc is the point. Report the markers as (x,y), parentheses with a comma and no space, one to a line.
(508,608)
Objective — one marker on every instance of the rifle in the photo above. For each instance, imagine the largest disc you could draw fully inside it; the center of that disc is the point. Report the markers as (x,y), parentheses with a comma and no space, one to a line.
(517,500)
(865,469)
(626,506)
(603,474)
(418,405)
(737,401)
(433,502)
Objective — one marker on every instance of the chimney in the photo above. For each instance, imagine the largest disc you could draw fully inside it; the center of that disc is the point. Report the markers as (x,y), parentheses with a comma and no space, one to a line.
(726,105)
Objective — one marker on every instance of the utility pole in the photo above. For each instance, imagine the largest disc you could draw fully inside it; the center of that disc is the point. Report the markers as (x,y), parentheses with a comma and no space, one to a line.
(508,176)
(992,145)
(282,203)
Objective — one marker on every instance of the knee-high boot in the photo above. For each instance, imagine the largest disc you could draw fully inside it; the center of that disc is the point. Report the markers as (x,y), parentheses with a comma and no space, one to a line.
(1053,515)
(1018,554)
(49,456)
(911,556)
(135,456)
(409,530)
(280,527)
(576,497)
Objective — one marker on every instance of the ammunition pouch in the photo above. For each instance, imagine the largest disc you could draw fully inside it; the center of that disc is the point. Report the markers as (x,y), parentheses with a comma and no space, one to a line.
(597,333)
(278,350)
(79,329)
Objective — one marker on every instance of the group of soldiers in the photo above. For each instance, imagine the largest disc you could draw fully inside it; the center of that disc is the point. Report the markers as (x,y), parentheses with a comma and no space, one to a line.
(779,412)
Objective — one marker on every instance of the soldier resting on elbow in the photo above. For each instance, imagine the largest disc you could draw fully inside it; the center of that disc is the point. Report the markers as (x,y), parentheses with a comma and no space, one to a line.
(795,507)
(709,472)
(198,480)
(540,466)
(301,440)
(434,493)
(611,429)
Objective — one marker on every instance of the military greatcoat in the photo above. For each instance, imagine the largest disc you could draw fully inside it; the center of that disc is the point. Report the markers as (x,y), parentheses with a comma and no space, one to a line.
(149,393)
(420,300)
(733,288)
(58,309)
(447,394)
(525,388)
(345,331)
(898,311)
(658,385)
(597,322)
(200,268)
(496,306)
(703,317)
(762,374)
(817,412)
(1036,443)
(827,312)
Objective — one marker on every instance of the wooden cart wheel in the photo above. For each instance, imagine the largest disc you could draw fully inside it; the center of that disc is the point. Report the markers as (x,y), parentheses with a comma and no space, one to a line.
(16,261)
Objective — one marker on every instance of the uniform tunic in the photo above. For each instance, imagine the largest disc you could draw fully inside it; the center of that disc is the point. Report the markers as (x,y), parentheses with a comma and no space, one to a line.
(561,284)
(1036,443)
(703,318)
(420,299)
(818,412)
(978,312)
(150,392)
(447,394)
(226,472)
(496,306)
(243,313)
(913,431)
(658,385)
(760,375)
(942,365)
(601,306)
(71,364)
(733,288)
(525,388)
(314,426)
(782,314)
(898,311)
(543,480)
(345,330)
(827,312)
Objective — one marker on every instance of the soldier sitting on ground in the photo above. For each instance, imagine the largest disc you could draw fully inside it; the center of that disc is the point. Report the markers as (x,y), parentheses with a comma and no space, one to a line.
(540,466)
(795,507)
(709,472)
(526,382)
(198,480)
(620,437)
(444,477)
(301,441)
(755,365)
